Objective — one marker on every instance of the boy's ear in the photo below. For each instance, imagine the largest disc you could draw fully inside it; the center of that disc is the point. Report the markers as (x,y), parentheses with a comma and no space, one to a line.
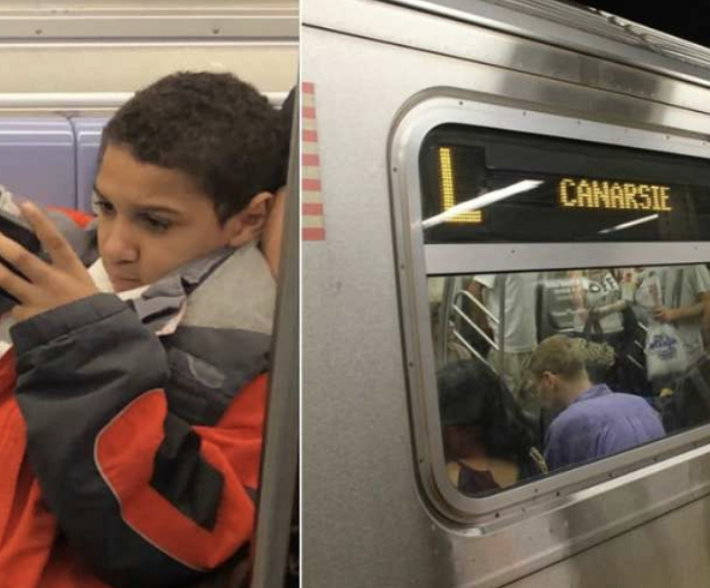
(248,224)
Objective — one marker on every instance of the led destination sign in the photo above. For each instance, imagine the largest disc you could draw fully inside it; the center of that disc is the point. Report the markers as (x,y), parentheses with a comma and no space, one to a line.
(585,193)
(613,195)
(483,185)
(448,190)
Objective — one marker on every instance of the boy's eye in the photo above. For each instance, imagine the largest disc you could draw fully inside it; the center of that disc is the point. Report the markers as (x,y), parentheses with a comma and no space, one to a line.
(102,207)
(156,224)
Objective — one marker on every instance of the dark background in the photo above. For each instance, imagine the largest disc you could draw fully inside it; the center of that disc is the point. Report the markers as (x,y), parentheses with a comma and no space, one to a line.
(687,19)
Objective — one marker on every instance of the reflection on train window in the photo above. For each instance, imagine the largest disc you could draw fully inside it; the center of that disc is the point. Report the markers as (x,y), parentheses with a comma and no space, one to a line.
(543,371)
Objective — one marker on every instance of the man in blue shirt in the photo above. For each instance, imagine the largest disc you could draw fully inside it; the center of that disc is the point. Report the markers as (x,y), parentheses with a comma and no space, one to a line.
(593,421)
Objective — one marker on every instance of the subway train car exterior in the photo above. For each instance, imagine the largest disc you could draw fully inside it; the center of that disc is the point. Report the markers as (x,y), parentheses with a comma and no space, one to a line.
(68,65)
(452,143)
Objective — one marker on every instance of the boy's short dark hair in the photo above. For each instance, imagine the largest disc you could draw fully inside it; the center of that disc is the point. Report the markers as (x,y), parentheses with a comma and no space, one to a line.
(215,128)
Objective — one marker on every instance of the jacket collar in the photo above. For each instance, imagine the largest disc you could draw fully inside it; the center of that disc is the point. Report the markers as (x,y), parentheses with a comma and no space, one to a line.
(226,289)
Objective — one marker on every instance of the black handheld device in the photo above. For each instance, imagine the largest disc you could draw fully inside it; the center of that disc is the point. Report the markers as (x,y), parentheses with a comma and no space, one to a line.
(20,231)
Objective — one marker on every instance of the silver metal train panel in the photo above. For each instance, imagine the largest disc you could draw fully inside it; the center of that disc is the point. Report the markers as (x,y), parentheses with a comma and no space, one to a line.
(395,25)
(367,519)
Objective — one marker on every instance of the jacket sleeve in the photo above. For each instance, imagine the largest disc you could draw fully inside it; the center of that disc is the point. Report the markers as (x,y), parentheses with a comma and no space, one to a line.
(146,498)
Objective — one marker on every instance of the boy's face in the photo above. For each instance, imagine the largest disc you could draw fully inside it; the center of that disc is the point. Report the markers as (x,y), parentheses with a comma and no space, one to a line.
(153,219)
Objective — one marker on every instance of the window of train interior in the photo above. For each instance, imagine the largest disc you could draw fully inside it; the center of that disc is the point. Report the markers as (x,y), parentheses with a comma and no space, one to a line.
(555,298)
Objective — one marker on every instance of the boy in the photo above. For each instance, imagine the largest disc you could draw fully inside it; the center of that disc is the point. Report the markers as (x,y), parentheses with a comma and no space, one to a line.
(134,460)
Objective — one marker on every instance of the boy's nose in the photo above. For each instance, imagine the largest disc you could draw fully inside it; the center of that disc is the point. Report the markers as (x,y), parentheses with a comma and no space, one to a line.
(119,244)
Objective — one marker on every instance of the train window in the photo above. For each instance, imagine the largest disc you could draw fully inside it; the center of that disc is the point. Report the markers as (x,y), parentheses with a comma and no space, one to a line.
(539,372)
(555,271)
(487,185)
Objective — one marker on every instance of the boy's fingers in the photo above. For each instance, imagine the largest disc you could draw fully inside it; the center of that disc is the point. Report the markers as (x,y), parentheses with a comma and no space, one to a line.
(53,242)
(24,261)
(14,284)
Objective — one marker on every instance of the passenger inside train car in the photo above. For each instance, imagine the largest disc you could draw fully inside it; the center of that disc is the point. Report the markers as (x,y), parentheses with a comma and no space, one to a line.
(488,445)
(517,293)
(599,316)
(131,456)
(592,421)
(620,333)
(675,300)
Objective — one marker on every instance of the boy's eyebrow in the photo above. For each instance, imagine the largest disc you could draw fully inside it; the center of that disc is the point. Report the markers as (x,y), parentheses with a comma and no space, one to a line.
(96,191)
(166,209)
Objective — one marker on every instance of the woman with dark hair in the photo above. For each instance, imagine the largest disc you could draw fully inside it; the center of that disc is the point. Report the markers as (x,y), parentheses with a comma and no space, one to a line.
(487,444)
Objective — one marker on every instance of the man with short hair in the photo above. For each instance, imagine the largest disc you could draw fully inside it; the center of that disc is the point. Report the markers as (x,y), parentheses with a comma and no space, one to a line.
(132,401)
(593,422)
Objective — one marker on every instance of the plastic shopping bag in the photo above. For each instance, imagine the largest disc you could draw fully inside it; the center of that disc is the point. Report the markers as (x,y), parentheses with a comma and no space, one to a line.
(665,353)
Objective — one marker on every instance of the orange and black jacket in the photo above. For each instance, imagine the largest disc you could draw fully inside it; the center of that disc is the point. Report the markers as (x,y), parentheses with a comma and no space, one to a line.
(130,449)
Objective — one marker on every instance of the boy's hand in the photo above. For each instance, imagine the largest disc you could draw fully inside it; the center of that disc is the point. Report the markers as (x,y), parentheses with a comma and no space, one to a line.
(44,286)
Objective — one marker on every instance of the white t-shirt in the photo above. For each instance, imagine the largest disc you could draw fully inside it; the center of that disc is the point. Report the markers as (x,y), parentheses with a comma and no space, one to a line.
(675,294)
(601,290)
(520,327)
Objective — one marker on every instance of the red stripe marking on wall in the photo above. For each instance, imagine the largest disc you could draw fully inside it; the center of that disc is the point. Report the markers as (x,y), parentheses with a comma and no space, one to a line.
(311,187)
(313,234)
(312,208)
(311,159)
(311,184)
